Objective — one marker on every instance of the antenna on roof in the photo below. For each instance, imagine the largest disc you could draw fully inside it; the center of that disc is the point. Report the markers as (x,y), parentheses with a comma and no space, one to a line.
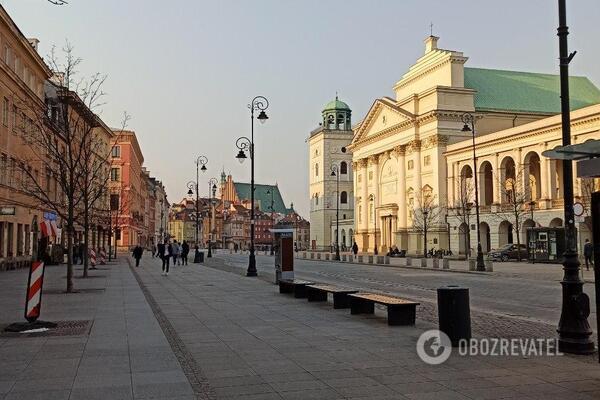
(431,29)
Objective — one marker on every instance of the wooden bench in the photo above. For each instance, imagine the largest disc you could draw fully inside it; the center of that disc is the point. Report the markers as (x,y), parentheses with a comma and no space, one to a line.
(400,311)
(296,286)
(318,292)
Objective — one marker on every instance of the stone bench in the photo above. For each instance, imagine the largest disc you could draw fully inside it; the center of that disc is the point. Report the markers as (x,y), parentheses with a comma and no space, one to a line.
(400,311)
(319,292)
(296,286)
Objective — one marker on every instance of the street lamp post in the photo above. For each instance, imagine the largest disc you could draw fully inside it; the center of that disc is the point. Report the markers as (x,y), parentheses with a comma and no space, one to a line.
(425,214)
(574,332)
(259,103)
(531,207)
(372,198)
(212,189)
(201,162)
(272,221)
(193,188)
(468,119)
(336,174)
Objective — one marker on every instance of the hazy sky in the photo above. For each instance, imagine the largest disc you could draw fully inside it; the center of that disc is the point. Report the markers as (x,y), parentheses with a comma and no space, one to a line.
(186,69)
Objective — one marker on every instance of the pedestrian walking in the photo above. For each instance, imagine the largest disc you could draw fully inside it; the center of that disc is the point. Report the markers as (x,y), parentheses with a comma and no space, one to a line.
(137,254)
(185,250)
(166,250)
(588,253)
(154,250)
(82,252)
(355,248)
(176,252)
(75,253)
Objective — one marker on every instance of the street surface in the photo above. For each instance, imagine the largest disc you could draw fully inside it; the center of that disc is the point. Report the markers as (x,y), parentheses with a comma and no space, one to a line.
(518,297)
(204,332)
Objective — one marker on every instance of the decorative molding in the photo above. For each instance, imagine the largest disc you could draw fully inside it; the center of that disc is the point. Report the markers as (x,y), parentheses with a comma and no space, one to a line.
(399,150)
(373,159)
(435,140)
(363,162)
(412,146)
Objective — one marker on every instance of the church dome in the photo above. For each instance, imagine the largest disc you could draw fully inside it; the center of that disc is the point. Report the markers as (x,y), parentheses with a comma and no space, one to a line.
(336,105)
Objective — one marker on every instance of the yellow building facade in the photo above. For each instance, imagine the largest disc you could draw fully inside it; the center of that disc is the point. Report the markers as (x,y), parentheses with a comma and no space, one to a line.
(409,150)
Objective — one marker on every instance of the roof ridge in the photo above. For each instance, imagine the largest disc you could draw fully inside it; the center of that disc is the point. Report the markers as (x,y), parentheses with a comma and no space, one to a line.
(524,72)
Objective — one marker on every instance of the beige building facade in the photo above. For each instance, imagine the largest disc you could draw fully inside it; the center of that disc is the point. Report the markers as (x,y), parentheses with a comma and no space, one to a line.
(405,151)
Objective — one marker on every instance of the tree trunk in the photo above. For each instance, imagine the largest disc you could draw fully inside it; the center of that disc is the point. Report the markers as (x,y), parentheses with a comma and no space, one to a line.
(86,229)
(70,231)
(518,237)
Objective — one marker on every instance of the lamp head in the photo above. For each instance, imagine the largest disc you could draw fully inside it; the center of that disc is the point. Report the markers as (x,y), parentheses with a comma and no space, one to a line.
(203,168)
(241,156)
(262,117)
(189,193)
(466,128)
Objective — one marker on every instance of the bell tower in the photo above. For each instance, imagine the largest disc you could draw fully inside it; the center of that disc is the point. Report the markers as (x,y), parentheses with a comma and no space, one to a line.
(327,150)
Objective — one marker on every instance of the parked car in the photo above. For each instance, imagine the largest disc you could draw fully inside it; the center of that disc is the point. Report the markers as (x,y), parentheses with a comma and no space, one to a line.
(509,252)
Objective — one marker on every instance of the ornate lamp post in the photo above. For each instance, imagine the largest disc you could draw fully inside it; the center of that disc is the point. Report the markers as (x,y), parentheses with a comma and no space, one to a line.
(336,174)
(212,190)
(193,188)
(468,119)
(574,332)
(372,198)
(272,221)
(201,162)
(259,103)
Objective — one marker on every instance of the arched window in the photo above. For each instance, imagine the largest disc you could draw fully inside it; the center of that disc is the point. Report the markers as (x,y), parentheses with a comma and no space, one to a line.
(343,168)
(344,198)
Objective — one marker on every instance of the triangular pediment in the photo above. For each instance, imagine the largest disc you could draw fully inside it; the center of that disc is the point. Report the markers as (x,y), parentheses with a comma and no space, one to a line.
(383,115)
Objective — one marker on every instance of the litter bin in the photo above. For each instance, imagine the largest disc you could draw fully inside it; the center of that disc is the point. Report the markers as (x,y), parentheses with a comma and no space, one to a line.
(198,257)
(454,315)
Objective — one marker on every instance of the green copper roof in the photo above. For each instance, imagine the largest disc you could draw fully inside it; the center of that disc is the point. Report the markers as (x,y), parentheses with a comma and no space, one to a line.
(526,91)
(262,199)
(336,105)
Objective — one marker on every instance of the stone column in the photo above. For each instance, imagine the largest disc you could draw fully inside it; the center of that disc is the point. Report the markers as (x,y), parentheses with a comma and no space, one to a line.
(401,186)
(497,180)
(417,183)
(364,197)
(374,162)
(544,178)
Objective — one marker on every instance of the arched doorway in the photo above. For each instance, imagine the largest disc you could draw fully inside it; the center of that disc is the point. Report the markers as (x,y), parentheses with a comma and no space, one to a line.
(486,184)
(484,237)
(467,190)
(505,233)
(533,183)
(556,223)
(343,239)
(463,239)
(508,178)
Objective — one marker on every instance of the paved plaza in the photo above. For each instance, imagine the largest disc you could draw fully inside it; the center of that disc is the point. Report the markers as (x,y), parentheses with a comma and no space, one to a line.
(211,333)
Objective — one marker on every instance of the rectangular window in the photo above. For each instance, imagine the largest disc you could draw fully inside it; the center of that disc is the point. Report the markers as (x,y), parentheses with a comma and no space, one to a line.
(20,241)
(14,118)
(116,152)
(427,160)
(3,168)
(114,174)
(9,240)
(411,164)
(27,240)
(12,171)
(5,112)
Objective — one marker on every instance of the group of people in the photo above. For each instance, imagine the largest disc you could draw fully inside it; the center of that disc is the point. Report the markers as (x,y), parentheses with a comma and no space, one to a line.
(166,251)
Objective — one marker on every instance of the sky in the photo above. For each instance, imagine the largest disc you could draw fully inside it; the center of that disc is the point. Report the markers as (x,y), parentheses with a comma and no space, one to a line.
(185,70)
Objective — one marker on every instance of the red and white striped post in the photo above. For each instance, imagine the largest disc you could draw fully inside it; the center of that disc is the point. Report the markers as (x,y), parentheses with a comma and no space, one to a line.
(93,257)
(102,256)
(33,301)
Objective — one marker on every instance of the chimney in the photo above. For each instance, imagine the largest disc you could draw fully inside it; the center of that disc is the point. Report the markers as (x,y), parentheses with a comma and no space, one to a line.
(34,43)
(431,43)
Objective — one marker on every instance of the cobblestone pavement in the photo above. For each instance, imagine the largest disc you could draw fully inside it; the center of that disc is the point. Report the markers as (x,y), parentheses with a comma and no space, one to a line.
(250,342)
(526,305)
(124,355)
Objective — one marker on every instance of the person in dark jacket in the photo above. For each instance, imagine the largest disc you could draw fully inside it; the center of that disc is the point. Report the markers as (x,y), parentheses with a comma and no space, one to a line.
(355,248)
(185,250)
(166,257)
(137,254)
(588,253)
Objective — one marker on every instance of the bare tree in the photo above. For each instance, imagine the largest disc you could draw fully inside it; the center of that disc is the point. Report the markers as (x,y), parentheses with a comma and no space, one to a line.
(516,196)
(587,186)
(59,137)
(425,214)
(461,210)
(58,2)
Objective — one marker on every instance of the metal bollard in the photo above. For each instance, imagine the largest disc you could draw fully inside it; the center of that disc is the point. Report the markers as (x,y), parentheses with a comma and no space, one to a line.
(454,314)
